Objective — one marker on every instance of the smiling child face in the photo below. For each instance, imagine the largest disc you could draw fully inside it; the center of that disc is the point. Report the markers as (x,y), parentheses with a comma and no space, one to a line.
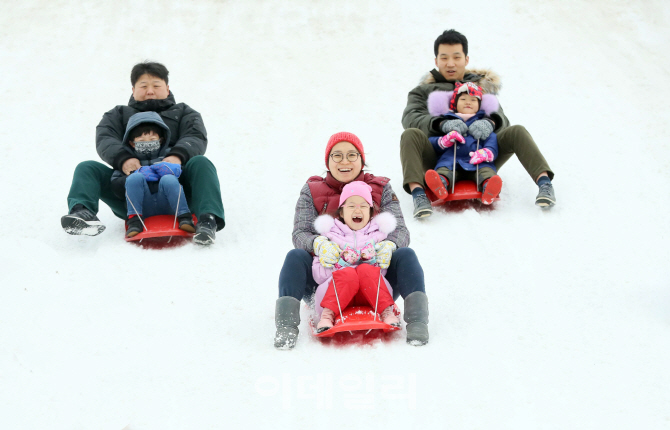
(356,212)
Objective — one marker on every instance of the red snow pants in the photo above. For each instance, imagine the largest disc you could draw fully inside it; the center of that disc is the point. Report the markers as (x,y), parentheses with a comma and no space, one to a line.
(357,286)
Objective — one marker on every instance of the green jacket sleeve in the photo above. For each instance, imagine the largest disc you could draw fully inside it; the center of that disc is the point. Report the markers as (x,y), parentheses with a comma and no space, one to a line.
(192,138)
(416,113)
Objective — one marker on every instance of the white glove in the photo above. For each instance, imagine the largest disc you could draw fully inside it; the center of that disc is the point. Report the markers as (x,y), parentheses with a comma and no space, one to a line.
(384,250)
(327,251)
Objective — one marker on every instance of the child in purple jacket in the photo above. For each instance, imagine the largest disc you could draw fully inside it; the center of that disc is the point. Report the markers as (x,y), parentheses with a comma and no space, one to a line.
(356,278)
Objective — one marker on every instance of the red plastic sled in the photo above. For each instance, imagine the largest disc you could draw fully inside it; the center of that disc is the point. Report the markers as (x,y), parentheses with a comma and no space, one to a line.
(357,318)
(161,229)
(463,190)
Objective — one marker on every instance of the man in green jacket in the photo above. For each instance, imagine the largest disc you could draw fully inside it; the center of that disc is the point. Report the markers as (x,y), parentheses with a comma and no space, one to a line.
(417,154)
(188,143)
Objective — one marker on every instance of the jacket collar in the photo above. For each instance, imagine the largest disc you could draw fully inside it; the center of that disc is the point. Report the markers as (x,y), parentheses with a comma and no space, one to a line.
(153,104)
(337,185)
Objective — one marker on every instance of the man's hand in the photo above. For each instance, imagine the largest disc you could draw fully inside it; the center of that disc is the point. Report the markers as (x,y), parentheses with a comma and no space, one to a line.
(327,251)
(172,159)
(454,125)
(481,129)
(130,165)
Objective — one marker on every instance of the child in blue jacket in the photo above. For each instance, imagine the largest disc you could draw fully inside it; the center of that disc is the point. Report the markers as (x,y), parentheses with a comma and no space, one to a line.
(154,188)
(467,104)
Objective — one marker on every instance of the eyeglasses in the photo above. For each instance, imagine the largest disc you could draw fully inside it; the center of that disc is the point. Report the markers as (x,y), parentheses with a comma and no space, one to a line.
(337,157)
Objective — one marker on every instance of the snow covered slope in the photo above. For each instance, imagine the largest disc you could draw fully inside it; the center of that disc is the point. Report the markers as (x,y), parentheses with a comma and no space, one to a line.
(551,320)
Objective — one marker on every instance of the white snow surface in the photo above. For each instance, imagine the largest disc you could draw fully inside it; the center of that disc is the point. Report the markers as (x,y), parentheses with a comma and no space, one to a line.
(553,319)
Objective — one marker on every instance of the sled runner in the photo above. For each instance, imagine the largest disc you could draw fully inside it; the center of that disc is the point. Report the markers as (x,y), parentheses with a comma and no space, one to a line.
(357,318)
(162,230)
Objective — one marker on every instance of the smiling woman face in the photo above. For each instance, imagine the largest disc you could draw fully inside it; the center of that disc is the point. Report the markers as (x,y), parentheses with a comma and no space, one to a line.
(345,171)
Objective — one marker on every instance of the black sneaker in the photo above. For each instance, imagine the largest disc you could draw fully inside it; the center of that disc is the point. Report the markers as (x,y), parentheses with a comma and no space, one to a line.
(205,231)
(186,222)
(134,226)
(422,206)
(546,197)
(81,221)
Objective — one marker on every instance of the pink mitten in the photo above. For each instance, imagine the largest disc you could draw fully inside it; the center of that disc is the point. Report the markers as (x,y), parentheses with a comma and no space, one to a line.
(448,140)
(480,156)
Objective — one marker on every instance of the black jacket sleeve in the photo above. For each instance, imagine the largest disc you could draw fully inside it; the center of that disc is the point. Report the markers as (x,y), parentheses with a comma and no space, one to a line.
(192,138)
(108,139)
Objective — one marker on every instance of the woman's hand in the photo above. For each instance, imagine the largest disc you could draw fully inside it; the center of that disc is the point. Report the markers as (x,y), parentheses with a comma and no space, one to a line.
(327,251)
(384,250)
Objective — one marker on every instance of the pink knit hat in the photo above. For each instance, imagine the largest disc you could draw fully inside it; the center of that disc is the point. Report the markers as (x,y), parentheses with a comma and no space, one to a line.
(344,136)
(356,188)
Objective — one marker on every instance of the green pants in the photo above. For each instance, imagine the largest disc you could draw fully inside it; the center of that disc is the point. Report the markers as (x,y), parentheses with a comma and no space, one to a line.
(417,154)
(92,183)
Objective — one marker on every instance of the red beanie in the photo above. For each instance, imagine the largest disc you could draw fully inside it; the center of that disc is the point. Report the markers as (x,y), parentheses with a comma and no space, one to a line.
(344,136)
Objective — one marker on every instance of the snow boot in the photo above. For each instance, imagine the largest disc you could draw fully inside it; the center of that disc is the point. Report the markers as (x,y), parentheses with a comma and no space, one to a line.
(491,189)
(287,319)
(438,184)
(327,320)
(205,231)
(546,197)
(186,222)
(134,226)
(81,221)
(416,317)
(422,206)
(389,317)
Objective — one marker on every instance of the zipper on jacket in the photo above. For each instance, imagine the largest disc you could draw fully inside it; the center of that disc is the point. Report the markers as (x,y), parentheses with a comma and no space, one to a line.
(323,211)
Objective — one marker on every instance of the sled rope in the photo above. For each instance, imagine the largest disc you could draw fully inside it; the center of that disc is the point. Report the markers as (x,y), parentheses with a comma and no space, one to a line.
(338,300)
(453,172)
(136,214)
(477,182)
(377,299)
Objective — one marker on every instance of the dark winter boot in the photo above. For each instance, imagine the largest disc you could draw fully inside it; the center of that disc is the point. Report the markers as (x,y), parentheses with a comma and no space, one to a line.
(416,317)
(205,231)
(287,320)
(134,226)
(81,221)
(186,222)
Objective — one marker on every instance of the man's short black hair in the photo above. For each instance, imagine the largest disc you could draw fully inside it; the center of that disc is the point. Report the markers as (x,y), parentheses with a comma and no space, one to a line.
(151,68)
(451,37)
(145,128)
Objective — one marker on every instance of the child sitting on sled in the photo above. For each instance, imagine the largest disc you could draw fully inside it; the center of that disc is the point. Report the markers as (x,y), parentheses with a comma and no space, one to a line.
(356,277)
(466,104)
(154,188)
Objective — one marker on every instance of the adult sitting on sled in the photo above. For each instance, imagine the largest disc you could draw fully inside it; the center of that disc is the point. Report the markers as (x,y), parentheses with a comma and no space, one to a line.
(91,181)
(416,152)
(345,159)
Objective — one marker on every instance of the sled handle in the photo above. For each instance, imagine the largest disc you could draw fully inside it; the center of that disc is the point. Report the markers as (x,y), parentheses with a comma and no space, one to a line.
(453,172)
(338,300)
(377,299)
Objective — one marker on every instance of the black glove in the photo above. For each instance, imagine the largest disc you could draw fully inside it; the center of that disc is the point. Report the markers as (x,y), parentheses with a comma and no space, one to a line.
(481,129)
(454,124)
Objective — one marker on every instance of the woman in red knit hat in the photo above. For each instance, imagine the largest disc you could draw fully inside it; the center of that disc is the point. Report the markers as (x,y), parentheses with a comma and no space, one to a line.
(345,159)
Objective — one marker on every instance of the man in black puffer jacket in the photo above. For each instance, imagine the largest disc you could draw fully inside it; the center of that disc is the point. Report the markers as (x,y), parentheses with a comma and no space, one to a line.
(92,180)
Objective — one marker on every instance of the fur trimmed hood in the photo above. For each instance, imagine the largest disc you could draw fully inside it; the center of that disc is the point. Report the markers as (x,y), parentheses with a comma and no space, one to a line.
(488,79)
(438,103)
(385,222)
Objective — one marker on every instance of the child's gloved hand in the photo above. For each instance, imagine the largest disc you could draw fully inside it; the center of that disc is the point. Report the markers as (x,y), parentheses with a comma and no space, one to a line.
(349,257)
(481,129)
(327,251)
(480,156)
(164,168)
(384,250)
(448,140)
(368,252)
(148,173)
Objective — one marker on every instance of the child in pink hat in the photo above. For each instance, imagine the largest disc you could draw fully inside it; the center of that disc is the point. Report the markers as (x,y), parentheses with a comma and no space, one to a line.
(356,276)
(474,158)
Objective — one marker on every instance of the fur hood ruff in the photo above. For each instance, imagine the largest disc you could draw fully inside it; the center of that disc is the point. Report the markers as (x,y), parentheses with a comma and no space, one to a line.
(490,81)
(438,103)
